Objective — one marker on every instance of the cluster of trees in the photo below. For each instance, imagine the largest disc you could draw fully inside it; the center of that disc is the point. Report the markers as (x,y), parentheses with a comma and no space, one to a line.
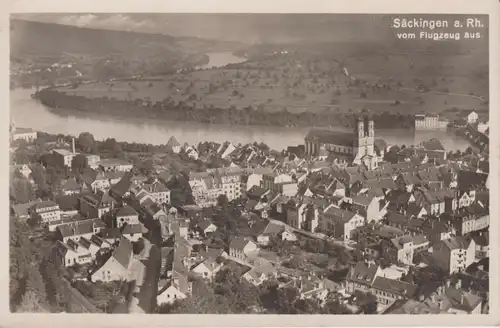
(34,278)
(228,294)
(181,111)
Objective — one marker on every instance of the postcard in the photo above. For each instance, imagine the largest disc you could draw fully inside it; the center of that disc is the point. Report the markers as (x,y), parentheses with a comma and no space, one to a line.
(253,164)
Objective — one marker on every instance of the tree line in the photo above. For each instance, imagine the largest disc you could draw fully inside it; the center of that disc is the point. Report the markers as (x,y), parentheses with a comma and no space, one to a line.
(182,111)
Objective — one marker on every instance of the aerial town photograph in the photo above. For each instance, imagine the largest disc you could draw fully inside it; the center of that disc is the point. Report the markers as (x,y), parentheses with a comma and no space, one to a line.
(249,164)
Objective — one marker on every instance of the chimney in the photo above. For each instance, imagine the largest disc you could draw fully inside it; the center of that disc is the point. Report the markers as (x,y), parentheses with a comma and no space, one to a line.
(73,145)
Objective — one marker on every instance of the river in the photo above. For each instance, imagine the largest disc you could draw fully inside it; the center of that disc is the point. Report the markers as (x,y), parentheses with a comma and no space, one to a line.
(29,113)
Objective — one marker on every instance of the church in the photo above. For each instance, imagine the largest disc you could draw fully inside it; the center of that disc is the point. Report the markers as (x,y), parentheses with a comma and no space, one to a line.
(357,147)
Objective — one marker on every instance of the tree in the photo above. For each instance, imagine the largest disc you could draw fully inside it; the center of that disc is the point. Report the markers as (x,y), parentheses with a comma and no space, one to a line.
(86,141)
(222,201)
(79,163)
(31,303)
(138,246)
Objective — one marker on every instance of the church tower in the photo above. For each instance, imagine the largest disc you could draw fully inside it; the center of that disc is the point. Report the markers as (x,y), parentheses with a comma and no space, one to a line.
(365,142)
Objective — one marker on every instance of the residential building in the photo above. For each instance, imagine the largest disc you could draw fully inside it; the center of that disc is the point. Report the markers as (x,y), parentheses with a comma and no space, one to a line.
(96,205)
(430,122)
(387,291)
(115,165)
(72,253)
(26,134)
(240,248)
(257,275)
(472,117)
(368,206)
(45,211)
(116,267)
(206,188)
(361,277)
(158,191)
(75,230)
(174,145)
(63,157)
(206,227)
(126,215)
(454,254)
(340,223)
(207,269)
(93,161)
(474,217)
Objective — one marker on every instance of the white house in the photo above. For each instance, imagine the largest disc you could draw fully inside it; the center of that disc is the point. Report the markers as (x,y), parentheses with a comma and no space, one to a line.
(241,247)
(455,254)
(472,117)
(207,269)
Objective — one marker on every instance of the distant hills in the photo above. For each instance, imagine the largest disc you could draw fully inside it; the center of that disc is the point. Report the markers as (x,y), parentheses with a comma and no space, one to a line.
(39,39)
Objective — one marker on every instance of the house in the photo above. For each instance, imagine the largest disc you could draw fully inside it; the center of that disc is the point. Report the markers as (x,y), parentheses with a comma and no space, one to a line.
(70,254)
(370,207)
(340,223)
(158,191)
(482,241)
(45,211)
(389,290)
(240,248)
(206,227)
(191,152)
(116,267)
(26,134)
(96,205)
(206,188)
(75,230)
(63,157)
(134,231)
(472,117)
(71,187)
(403,248)
(452,300)
(174,145)
(304,214)
(24,170)
(22,211)
(177,288)
(93,161)
(361,277)
(454,254)
(69,205)
(231,179)
(312,287)
(126,215)
(207,269)
(174,270)
(269,230)
(115,165)
(256,276)
(474,217)
(434,202)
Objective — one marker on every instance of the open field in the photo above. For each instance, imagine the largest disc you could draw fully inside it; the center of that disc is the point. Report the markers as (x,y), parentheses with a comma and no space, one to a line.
(299,83)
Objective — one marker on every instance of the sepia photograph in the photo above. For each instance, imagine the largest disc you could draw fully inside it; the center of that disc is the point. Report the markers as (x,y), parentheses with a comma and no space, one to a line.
(249,163)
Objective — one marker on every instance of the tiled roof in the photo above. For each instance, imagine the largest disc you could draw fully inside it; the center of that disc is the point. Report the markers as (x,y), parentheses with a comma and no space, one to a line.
(121,187)
(239,243)
(123,253)
(397,287)
(126,210)
(68,202)
(203,225)
(460,242)
(338,214)
(363,273)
